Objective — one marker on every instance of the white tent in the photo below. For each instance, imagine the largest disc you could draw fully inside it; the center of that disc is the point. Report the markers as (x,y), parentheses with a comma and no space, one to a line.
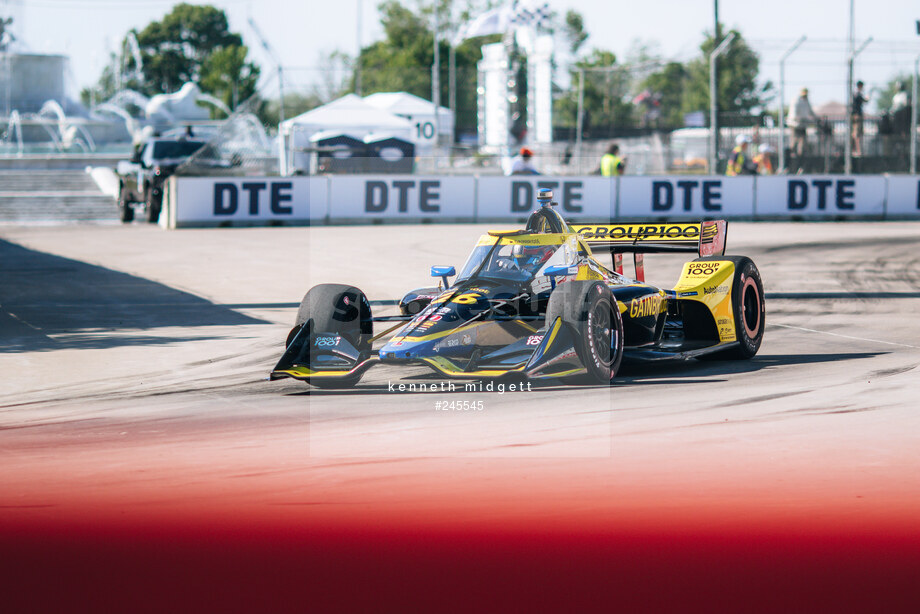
(419,112)
(348,115)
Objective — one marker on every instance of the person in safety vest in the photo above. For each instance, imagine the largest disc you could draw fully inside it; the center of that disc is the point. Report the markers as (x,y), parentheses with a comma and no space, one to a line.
(612,165)
(740,163)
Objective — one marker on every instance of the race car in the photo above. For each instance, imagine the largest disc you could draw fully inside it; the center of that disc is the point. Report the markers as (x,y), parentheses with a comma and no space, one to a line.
(537,303)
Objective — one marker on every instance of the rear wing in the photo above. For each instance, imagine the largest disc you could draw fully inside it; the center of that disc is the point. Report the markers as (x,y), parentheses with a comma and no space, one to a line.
(705,238)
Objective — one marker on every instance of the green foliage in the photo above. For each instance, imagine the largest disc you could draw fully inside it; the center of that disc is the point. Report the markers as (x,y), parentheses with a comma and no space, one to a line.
(684,88)
(669,83)
(884,96)
(575,30)
(227,75)
(175,49)
(402,60)
(106,87)
(606,98)
(193,43)
(294,104)
(739,67)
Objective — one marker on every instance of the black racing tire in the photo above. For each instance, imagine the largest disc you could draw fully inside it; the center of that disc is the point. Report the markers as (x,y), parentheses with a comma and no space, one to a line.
(124,205)
(339,309)
(590,310)
(154,202)
(748,306)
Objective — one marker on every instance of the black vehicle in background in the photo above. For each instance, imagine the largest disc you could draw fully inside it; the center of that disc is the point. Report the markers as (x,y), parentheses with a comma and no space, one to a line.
(142,178)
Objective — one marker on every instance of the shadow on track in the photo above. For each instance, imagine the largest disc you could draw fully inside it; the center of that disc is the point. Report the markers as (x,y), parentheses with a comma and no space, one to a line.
(42,295)
(679,371)
(635,372)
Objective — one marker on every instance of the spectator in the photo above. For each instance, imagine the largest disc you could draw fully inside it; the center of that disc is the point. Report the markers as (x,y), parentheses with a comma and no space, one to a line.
(901,99)
(856,117)
(612,165)
(521,164)
(739,163)
(764,160)
(800,115)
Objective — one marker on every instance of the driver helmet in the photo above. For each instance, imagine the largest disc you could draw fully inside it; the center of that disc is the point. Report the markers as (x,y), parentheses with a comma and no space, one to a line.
(530,256)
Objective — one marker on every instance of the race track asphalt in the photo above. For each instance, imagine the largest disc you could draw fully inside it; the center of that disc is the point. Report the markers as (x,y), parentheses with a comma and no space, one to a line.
(135,412)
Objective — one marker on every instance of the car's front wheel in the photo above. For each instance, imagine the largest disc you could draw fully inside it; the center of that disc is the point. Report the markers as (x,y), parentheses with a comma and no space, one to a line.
(339,309)
(591,311)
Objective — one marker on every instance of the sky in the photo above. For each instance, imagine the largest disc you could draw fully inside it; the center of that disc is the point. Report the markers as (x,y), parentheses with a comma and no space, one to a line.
(301,32)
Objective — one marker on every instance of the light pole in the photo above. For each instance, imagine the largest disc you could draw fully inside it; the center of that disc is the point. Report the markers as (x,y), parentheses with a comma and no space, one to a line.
(848,158)
(913,116)
(579,119)
(714,71)
(782,102)
(436,79)
(358,53)
(714,103)
(274,56)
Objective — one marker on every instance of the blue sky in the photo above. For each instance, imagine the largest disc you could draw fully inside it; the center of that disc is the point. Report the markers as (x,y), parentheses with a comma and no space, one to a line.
(301,31)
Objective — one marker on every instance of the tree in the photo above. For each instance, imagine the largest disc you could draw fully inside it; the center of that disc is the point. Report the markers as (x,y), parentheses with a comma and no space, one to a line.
(193,43)
(402,60)
(333,83)
(574,30)
(739,68)
(669,84)
(886,94)
(226,74)
(606,97)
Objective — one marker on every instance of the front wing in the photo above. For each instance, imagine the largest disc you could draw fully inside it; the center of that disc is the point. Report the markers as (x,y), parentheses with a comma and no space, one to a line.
(329,357)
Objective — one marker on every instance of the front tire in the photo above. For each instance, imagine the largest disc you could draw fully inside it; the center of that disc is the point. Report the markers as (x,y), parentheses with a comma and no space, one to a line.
(591,311)
(339,309)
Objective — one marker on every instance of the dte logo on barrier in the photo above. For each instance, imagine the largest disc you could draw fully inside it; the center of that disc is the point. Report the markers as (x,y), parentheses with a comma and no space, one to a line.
(798,192)
(663,195)
(377,196)
(522,198)
(227,197)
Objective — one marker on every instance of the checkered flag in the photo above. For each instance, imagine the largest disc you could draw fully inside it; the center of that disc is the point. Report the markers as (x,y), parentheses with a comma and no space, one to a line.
(500,20)
(531,13)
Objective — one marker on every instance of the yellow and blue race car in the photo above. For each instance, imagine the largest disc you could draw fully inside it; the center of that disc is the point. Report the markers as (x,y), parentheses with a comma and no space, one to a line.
(537,303)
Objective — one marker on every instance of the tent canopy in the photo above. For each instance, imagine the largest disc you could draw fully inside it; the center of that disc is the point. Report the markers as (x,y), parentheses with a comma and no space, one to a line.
(349,114)
(403,103)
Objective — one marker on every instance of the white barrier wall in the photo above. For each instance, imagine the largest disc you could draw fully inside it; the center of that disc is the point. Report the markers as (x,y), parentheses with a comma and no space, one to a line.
(579,198)
(903,197)
(691,196)
(212,201)
(817,196)
(204,201)
(401,197)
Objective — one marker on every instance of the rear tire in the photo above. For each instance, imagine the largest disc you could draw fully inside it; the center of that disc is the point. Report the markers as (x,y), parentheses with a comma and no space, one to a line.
(339,309)
(748,307)
(154,203)
(591,311)
(124,205)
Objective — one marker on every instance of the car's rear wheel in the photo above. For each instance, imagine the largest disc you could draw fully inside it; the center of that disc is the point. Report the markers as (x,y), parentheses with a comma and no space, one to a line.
(590,310)
(748,307)
(124,205)
(154,203)
(338,309)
